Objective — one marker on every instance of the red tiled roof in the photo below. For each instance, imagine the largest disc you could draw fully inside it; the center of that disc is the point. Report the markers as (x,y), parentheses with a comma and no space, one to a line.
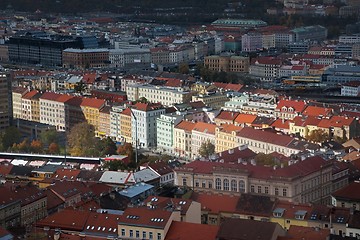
(298,106)
(305,233)
(186,125)
(233,155)
(186,231)
(66,219)
(101,224)
(227,115)
(349,193)
(216,203)
(243,118)
(74,101)
(5,169)
(53,201)
(281,124)
(147,106)
(30,94)
(50,96)
(205,127)
(317,111)
(173,83)
(144,217)
(21,90)
(265,136)
(64,98)
(310,120)
(336,121)
(93,102)
(291,209)
(89,78)
(127,112)
(228,128)
(69,174)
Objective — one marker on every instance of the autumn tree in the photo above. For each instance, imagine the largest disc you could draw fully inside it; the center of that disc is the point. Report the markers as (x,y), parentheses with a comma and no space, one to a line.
(81,140)
(317,136)
(49,136)
(54,148)
(126,149)
(36,146)
(108,147)
(24,146)
(206,149)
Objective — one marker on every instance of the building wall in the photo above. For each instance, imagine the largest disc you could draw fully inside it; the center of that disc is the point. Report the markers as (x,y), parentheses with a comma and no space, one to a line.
(10,215)
(5,101)
(125,128)
(34,211)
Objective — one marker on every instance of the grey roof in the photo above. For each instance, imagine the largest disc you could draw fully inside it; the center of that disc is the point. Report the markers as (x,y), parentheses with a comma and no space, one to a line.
(136,190)
(145,175)
(117,177)
(49,168)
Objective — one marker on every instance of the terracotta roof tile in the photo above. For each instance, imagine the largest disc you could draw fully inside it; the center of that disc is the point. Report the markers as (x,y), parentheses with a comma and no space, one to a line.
(50,96)
(205,127)
(186,125)
(243,118)
(216,203)
(298,106)
(227,115)
(92,102)
(185,231)
(317,111)
(31,94)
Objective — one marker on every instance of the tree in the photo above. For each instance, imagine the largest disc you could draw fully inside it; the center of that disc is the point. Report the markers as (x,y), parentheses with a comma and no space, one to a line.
(126,149)
(108,147)
(317,136)
(81,140)
(184,68)
(206,149)
(80,87)
(24,146)
(36,146)
(264,159)
(11,136)
(54,148)
(49,136)
(114,165)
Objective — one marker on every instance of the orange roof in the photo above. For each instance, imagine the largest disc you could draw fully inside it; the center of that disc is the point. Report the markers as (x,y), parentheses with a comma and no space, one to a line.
(292,208)
(64,98)
(30,94)
(298,106)
(281,124)
(145,217)
(66,219)
(245,118)
(205,127)
(310,120)
(69,174)
(186,125)
(305,233)
(92,102)
(89,77)
(317,111)
(216,203)
(185,231)
(50,96)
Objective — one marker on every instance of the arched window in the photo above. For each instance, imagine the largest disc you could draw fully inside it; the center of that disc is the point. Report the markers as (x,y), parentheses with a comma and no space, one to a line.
(233,185)
(218,184)
(226,184)
(241,186)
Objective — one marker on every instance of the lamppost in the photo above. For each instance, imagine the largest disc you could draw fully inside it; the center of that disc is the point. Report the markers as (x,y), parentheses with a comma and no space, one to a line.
(136,137)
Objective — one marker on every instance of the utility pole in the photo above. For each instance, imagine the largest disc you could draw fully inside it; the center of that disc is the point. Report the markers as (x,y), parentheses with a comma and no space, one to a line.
(136,138)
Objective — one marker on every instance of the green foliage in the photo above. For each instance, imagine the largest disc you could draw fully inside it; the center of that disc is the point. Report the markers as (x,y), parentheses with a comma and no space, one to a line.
(10,137)
(108,147)
(80,87)
(206,149)
(115,165)
(81,140)
(265,159)
(49,136)
(184,68)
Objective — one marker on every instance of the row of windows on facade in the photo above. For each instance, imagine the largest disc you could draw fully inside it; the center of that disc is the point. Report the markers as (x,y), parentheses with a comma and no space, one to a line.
(136,234)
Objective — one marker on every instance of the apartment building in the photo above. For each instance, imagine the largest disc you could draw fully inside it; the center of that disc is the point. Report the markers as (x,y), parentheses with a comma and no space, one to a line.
(115,122)
(49,114)
(165,124)
(143,124)
(265,68)
(303,182)
(126,126)
(10,209)
(129,57)
(167,96)
(251,42)
(17,94)
(289,109)
(91,109)
(201,133)
(225,137)
(85,58)
(262,141)
(213,100)
(227,63)
(6,103)
(182,138)
(30,106)
(104,122)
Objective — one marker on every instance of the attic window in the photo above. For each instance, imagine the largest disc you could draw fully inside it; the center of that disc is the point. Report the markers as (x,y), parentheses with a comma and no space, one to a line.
(278,212)
(313,216)
(182,202)
(300,215)
(340,219)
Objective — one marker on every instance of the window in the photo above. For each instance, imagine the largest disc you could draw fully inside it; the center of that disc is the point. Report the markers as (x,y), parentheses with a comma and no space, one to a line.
(284,192)
(218,184)
(259,189)
(137,234)
(159,236)
(233,185)
(266,190)
(276,191)
(131,233)
(252,188)
(122,232)
(241,186)
(184,182)
(203,184)
(226,184)
(150,235)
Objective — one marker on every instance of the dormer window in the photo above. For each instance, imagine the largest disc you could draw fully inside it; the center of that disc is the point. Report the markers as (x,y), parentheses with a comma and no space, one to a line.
(300,215)
(278,212)
(284,109)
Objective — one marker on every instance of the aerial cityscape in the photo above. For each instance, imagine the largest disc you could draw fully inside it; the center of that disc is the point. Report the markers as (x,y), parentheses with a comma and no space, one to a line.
(180,120)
